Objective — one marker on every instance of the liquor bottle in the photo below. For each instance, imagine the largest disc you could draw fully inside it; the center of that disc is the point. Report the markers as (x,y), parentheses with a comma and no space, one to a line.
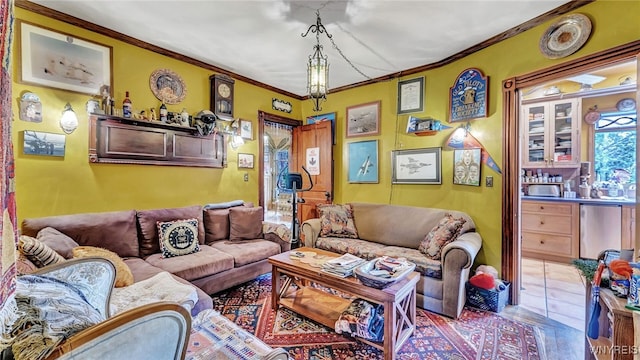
(163,112)
(126,106)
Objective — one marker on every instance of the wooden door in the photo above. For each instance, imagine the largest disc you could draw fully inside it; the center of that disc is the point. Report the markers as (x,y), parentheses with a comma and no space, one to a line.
(316,139)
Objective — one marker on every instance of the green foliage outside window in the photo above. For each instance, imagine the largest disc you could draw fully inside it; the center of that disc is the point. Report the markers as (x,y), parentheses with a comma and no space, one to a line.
(615,150)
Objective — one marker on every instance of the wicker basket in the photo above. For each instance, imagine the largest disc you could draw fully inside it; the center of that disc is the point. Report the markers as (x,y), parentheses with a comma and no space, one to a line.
(362,273)
(491,300)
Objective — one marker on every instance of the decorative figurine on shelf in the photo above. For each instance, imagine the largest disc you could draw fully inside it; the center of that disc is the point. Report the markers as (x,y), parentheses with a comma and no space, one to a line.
(184,117)
(105,91)
(152,114)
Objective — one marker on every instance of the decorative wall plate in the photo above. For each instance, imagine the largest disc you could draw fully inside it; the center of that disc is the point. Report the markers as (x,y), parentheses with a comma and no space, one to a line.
(592,115)
(167,86)
(626,104)
(565,36)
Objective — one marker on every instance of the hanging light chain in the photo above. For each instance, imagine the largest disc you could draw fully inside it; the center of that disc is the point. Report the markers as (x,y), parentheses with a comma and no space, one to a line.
(335,46)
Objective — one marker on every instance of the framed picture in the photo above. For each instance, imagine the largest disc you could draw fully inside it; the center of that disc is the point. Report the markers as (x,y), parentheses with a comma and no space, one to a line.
(325,117)
(417,166)
(363,119)
(466,166)
(245,161)
(63,61)
(363,162)
(246,129)
(411,95)
(43,143)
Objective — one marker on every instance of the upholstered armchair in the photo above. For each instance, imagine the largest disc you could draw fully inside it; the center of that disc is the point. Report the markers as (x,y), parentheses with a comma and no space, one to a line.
(155,331)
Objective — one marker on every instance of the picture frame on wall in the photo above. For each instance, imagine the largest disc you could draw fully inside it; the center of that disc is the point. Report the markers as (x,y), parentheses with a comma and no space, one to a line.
(325,117)
(63,61)
(43,143)
(363,162)
(417,166)
(246,129)
(411,95)
(466,166)
(245,161)
(363,119)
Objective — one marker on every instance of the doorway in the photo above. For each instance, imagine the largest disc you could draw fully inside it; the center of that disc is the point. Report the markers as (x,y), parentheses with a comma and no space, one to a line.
(512,145)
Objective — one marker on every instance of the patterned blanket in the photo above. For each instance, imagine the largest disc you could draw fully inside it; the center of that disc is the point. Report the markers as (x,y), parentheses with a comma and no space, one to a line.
(44,307)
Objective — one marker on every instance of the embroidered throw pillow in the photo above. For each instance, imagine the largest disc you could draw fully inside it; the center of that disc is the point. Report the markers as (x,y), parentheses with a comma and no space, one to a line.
(246,223)
(337,221)
(179,237)
(124,276)
(445,232)
(38,252)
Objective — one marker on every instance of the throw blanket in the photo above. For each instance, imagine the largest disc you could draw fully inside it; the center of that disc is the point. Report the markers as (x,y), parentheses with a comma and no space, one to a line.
(160,287)
(49,311)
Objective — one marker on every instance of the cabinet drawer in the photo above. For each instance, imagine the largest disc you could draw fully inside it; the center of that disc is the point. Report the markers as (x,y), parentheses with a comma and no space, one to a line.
(547,223)
(547,207)
(547,243)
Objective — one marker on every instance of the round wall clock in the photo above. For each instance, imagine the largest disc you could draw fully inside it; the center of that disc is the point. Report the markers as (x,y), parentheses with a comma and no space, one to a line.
(167,86)
(626,104)
(565,36)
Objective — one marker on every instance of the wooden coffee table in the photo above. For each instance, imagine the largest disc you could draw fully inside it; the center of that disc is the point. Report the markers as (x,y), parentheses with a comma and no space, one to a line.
(398,299)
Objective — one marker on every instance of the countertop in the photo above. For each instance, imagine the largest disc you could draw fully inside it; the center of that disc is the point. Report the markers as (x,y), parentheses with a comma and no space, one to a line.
(606,201)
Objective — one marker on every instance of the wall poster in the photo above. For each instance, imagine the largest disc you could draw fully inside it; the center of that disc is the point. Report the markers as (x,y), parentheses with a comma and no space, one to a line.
(468,97)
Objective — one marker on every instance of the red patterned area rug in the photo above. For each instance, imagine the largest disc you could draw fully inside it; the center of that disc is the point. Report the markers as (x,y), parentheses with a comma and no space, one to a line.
(476,335)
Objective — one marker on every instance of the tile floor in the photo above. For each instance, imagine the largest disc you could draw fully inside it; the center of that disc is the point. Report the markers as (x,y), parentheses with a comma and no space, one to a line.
(553,290)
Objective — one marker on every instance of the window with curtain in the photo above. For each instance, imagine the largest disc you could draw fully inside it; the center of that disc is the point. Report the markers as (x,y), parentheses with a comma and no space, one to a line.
(277,153)
(614,143)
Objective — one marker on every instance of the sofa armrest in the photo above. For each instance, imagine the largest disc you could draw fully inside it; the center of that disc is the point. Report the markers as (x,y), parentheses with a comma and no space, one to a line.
(310,230)
(278,233)
(126,335)
(457,259)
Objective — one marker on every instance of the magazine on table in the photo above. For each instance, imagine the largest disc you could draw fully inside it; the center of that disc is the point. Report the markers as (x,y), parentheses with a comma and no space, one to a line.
(342,266)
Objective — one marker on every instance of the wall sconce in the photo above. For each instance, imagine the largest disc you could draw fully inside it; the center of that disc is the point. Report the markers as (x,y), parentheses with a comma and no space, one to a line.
(69,120)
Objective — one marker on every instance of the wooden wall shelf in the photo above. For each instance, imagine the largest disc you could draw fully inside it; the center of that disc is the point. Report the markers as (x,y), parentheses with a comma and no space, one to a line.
(119,140)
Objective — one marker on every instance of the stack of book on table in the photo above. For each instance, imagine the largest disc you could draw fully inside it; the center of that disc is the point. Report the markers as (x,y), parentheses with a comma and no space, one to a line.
(342,266)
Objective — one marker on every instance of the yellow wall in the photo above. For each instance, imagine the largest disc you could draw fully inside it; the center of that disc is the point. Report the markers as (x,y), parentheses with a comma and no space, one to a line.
(48,186)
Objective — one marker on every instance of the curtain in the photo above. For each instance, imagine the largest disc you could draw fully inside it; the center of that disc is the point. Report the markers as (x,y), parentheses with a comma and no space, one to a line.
(8,226)
(277,149)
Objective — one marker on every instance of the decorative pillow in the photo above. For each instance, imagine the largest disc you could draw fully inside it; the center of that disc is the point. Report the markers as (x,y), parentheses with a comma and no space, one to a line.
(245,223)
(216,225)
(61,243)
(38,252)
(445,232)
(179,237)
(24,265)
(124,276)
(337,221)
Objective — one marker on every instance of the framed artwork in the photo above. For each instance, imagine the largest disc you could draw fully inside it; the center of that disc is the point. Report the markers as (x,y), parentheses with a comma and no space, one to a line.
(325,117)
(411,95)
(63,61)
(469,96)
(363,119)
(43,143)
(466,166)
(363,162)
(245,161)
(246,129)
(417,166)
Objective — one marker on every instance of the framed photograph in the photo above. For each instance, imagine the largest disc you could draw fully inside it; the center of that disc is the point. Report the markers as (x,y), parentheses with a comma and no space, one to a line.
(245,161)
(325,117)
(363,162)
(363,119)
(63,61)
(246,129)
(411,95)
(466,166)
(417,166)
(43,143)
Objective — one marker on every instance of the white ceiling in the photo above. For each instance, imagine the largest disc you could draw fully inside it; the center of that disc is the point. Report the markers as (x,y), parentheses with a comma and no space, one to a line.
(261,39)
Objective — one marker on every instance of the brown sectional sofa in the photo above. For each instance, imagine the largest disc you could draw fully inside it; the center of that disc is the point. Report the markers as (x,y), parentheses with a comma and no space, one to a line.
(221,262)
(396,230)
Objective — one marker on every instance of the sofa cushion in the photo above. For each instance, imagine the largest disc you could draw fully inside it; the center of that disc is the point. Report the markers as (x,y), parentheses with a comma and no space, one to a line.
(148,219)
(216,224)
(445,232)
(247,251)
(178,237)
(207,261)
(61,243)
(424,265)
(245,223)
(124,276)
(337,221)
(360,248)
(93,229)
(38,252)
